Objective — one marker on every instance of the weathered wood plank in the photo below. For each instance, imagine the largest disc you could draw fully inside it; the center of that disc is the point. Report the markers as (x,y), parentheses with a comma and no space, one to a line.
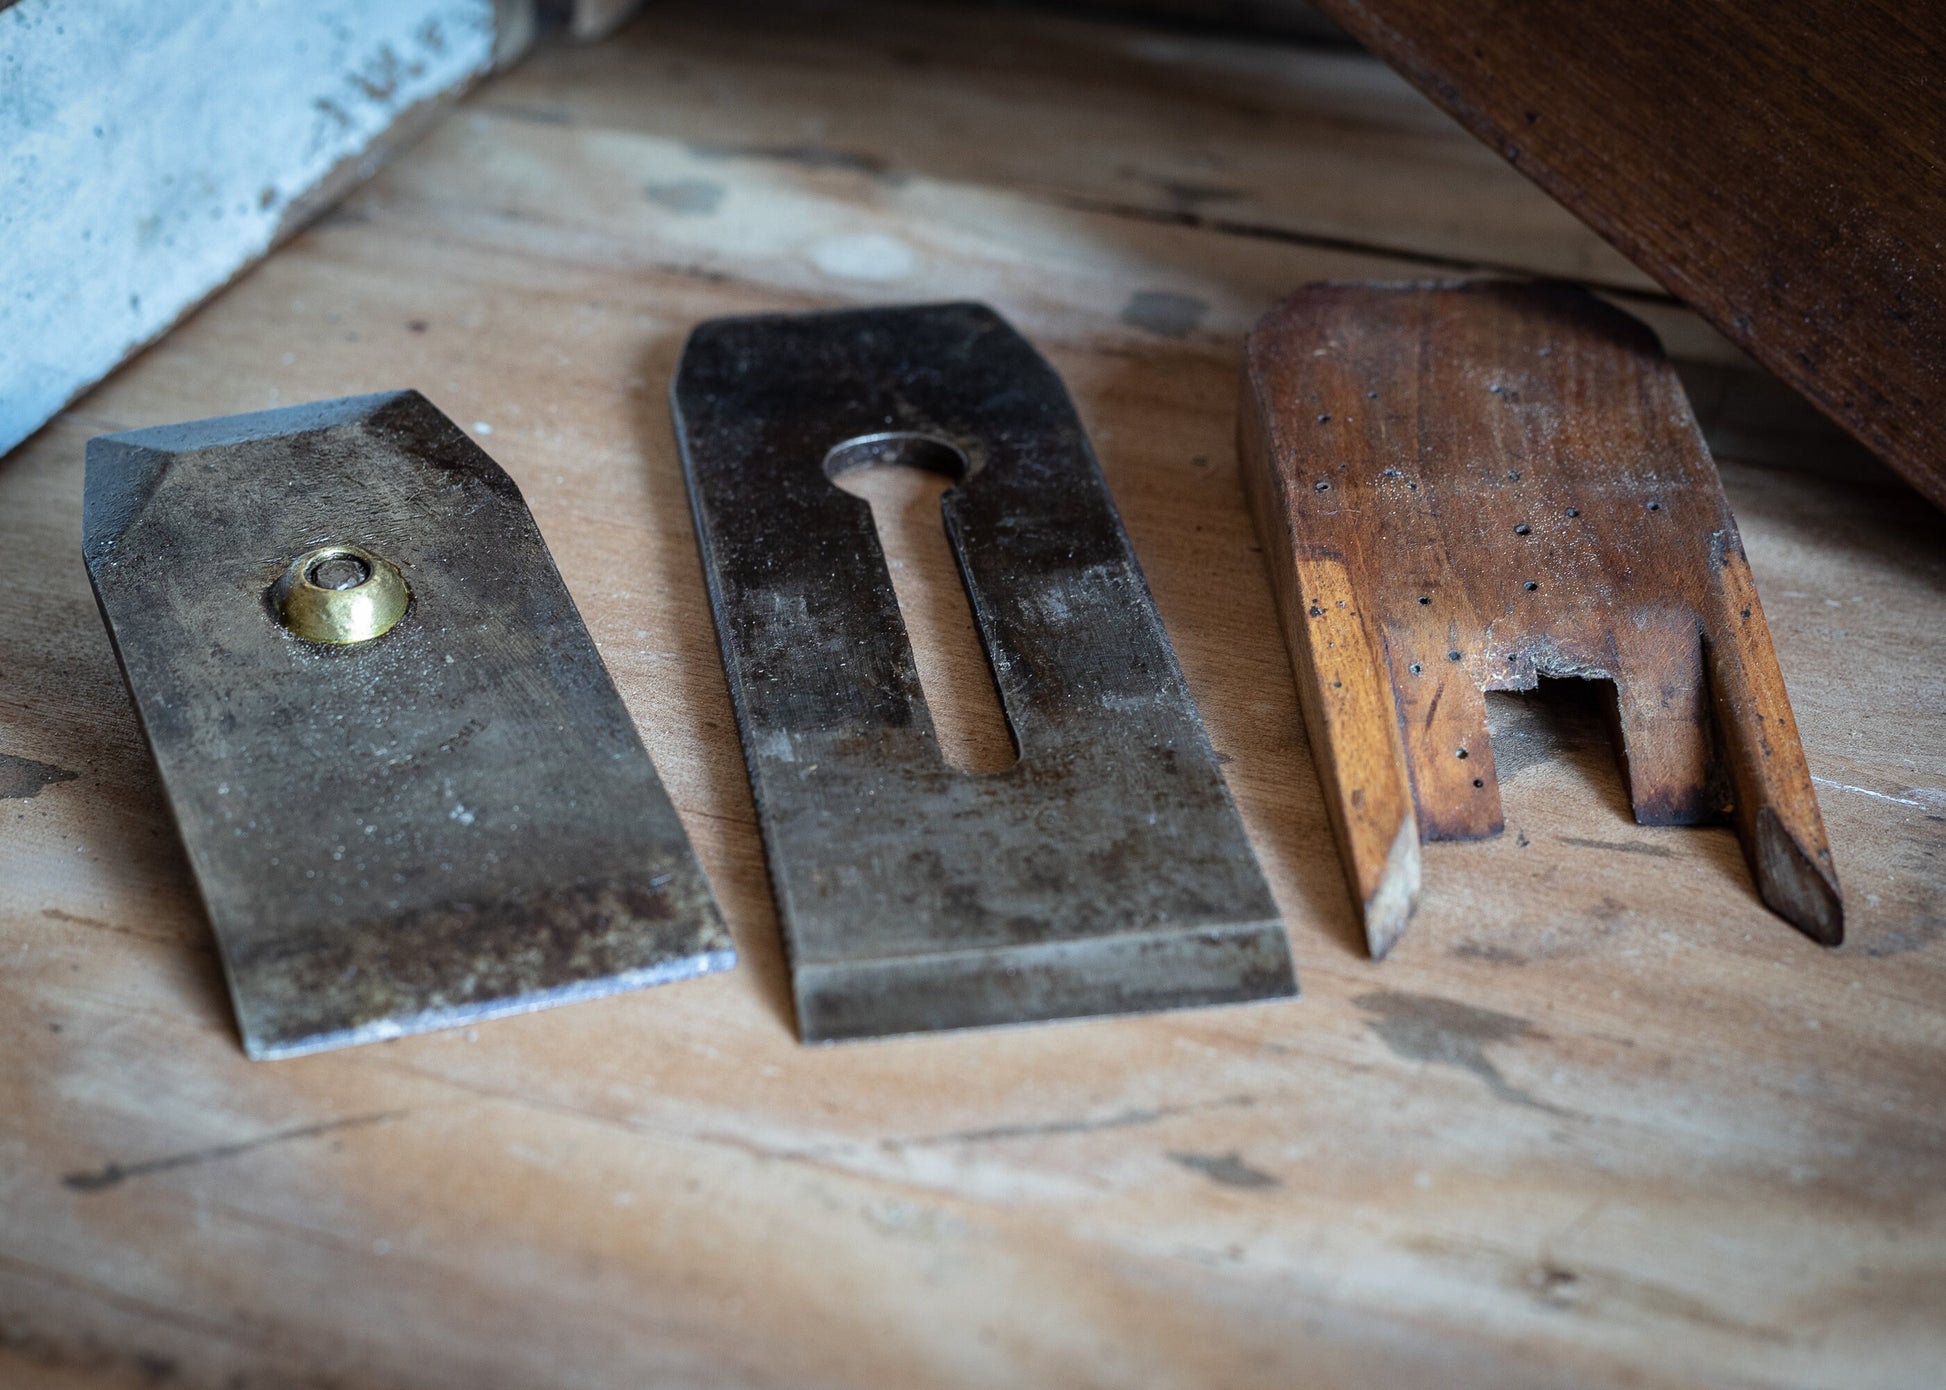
(1274,141)
(1597,1121)
(153,151)
(1276,150)
(1781,168)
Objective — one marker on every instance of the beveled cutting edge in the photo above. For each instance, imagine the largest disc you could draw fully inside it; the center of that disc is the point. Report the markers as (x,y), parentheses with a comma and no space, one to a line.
(451,820)
(1107,870)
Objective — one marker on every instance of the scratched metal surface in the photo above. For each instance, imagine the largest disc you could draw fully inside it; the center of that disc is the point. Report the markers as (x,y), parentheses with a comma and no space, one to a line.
(453,821)
(1106,871)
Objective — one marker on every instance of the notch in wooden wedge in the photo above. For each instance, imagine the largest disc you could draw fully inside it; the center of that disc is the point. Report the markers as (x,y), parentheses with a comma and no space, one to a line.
(1466,487)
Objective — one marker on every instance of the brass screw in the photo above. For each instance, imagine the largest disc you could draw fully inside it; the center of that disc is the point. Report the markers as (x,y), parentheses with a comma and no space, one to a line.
(340,594)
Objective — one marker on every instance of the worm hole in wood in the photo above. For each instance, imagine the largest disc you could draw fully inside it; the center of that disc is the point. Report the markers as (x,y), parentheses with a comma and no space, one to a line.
(902,477)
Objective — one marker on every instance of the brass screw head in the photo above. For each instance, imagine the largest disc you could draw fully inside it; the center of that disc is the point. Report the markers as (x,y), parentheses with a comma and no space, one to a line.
(340,595)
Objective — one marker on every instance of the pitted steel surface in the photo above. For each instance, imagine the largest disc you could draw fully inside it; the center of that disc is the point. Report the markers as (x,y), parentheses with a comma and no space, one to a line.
(1106,871)
(449,820)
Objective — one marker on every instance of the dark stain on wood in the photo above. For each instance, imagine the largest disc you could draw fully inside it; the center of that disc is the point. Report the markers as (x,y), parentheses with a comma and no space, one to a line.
(691,197)
(1227,1170)
(1444,1032)
(24,779)
(1164,312)
(815,157)
(1620,846)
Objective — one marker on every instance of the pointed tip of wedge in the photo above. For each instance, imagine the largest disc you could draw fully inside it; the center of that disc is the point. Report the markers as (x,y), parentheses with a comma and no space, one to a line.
(1390,905)
(1799,885)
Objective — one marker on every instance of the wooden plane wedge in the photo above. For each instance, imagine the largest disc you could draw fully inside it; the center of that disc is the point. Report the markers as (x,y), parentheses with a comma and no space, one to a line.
(1463,487)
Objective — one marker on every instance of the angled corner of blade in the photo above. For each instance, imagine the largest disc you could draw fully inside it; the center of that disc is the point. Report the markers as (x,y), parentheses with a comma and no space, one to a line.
(452,820)
(1107,870)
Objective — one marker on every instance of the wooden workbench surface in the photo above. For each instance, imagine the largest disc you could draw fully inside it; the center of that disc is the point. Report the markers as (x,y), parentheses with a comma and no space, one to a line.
(1600,1120)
